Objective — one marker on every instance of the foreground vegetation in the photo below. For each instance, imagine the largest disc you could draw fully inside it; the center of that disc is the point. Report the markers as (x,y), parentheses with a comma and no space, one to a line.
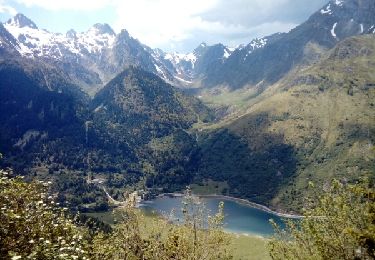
(241,246)
(338,225)
(33,227)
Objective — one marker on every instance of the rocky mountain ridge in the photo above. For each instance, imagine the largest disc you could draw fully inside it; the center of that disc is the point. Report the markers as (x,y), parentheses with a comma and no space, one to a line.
(94,57)
(336,21)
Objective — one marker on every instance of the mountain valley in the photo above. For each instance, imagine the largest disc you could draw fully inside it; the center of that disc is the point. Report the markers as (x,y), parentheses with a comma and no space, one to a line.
(263,119)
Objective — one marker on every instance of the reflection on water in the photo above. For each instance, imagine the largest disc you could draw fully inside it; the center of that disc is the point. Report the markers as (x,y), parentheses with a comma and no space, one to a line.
(239,218)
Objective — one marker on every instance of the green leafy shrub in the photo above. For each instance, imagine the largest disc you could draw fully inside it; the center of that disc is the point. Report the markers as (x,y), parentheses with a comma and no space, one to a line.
(338,225)
(33,227)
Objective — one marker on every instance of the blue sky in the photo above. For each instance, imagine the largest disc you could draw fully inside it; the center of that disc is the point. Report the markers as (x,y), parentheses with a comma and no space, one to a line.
(61,20)
(172,25)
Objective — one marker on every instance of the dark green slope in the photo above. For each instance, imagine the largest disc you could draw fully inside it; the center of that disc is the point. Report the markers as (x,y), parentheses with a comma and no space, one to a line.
(50,129)
(42,133)
(36,98)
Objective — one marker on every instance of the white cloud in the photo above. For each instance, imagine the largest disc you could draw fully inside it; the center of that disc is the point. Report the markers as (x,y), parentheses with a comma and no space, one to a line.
(79,5)
(157,22)
(4,8)
(184,24)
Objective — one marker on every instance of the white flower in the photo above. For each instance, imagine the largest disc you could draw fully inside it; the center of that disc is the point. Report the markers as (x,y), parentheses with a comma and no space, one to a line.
(31,241)
(16,257)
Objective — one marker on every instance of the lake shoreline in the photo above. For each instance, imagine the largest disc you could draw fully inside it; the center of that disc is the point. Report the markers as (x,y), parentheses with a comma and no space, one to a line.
(240,201)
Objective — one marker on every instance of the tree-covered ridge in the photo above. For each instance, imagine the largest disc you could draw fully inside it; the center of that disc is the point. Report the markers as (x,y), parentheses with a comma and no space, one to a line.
(140,106)
(51,131)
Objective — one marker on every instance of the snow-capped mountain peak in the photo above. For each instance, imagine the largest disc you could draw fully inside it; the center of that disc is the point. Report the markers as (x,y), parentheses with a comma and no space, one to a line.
(38,42)
(102,28)
(176,57)
(83,54)
(21,21)
(71,34)
(255,44)
(331,6)
(338,2)
(97,37)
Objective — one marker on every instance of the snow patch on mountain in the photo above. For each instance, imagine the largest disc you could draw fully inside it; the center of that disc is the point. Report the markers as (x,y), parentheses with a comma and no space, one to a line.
(339,2)
(326,10)
(160,72)
(183,80)
(258,43)
(94,40)
(190,57)
(333,30)
(227,53)
(177,58)
(255,44)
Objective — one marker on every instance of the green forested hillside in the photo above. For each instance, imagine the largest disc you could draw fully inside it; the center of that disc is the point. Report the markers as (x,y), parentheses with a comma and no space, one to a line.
(315,124)
(51,130)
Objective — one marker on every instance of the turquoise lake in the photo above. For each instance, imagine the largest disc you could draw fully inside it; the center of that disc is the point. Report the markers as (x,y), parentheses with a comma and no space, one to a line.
(239,218)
